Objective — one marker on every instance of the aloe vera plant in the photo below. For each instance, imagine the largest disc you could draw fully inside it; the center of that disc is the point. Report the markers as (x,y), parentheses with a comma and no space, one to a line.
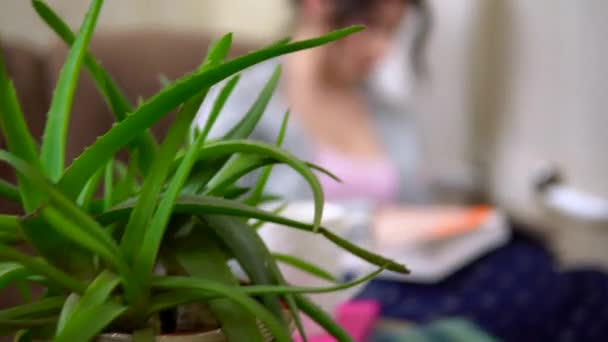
(174,203)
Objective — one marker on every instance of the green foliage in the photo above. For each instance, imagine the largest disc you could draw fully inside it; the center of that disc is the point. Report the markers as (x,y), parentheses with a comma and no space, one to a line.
(117,102)
(201,255)
(176,204)
(52,152)
(305,266)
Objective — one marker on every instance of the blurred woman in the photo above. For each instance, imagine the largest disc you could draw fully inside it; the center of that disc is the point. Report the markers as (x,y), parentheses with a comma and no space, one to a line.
(513,292)
(336,122)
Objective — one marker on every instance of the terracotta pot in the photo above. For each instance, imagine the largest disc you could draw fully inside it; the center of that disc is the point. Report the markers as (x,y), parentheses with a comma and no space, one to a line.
(211,336)
(214,335)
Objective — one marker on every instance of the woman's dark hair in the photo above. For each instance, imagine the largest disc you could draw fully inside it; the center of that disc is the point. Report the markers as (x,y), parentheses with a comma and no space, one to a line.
(346,10)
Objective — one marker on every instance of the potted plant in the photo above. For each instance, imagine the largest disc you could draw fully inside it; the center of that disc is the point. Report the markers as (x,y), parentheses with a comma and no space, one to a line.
(173,206)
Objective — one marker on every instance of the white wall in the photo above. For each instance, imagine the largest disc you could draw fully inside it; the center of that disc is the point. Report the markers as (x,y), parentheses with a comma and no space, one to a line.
(442,102)
(257,20)
(516,83)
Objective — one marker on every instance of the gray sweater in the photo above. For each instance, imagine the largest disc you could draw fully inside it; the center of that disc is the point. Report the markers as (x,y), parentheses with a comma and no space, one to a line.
(394,127)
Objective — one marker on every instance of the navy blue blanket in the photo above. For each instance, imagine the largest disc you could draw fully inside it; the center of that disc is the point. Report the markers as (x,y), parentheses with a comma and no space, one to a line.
(515,293)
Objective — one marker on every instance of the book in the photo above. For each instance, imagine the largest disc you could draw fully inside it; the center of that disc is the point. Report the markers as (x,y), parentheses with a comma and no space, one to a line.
(401,226)
(434,242)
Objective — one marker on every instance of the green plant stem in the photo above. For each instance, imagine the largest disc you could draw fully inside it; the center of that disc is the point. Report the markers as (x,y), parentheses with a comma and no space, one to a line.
(43,306)
(26,323)
(322,318)
(42,268)
(258,191)
(9,191)
(202,205)
(108,185)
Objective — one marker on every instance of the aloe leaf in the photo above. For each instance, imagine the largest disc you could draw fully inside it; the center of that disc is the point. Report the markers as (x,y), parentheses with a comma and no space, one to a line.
(282,41)
(55,248)
(234,168)
(9,226)
(24,290)
(257,290)
(18,139)
(167,300)
(239,164)
(164,80)
(246,126)
(52,152)
(235,294)
(241,130)
(201,173)
(202,205)
(42,268)
(158,106)
(67,310)
(11,272)
(228,147)
(10,239)
(86,195)
(218,105)
(89,322)
(47,242)
(199,178)
(17,324)
(288,298)
(200,255)
(127,186)
(85,231)
(276,211)
(116,100)
(45,306)
(362,253)
(273,267)
(24,335)
(258,190)
(70,230)
(9,191)
(144,214)
(322,318)
(108,184)
(305,266)
(261,289)
(141,217)
(171,299)
(233,192)
(85,222)
(249,251)
(96,295)
(323,171)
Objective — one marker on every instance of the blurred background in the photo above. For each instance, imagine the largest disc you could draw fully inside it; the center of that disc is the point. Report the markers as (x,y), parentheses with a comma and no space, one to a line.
(515,87)
(512,112)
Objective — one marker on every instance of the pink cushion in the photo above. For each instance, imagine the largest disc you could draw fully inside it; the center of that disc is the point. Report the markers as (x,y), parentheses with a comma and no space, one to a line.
(356,317)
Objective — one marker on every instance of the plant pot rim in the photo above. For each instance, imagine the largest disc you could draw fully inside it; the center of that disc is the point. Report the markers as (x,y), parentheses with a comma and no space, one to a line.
(215,335)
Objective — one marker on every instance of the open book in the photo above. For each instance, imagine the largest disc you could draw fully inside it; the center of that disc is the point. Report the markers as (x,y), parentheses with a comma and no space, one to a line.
(434,242)
(406,226)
